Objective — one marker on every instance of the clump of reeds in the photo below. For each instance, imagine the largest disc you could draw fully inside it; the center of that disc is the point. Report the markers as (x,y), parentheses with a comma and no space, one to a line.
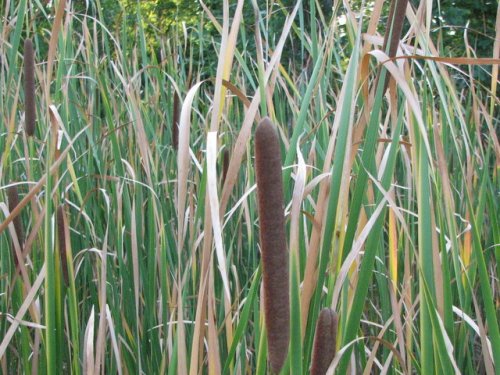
(13,196)
(324,341)
(273,242)
(29,88)
(61,235)
(175,122)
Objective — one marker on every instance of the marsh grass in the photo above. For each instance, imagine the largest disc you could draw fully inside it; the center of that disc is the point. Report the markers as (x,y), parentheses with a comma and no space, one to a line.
(390,194)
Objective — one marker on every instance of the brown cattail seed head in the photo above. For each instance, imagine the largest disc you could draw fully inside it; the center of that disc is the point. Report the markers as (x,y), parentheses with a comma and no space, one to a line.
(175,122)
(29,88)
(225,164)
(13,197)
(324,341)
(61,235)
(396,19)
(273,242)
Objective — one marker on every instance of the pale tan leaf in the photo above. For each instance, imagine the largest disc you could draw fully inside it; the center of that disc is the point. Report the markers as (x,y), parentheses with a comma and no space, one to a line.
(183,160)
(298,194)
(214,208)
(88,345)
(114,342)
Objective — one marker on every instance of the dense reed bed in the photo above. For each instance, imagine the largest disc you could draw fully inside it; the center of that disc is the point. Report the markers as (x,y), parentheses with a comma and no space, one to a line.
(134,206)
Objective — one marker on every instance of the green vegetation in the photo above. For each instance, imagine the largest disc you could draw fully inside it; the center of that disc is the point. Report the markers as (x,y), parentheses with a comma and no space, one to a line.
(128,248)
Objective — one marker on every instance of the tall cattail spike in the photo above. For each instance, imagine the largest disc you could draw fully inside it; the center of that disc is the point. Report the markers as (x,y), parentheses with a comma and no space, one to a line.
(29,88)
(61,235)
(13,197)
(324,341)
(273,242)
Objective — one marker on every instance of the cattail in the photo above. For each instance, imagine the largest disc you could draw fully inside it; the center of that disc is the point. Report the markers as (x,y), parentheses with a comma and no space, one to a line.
(175,122)
(13,197)
(273,242)
(225,164)
(395,20)
(29,88)
(324,341)
(61,235)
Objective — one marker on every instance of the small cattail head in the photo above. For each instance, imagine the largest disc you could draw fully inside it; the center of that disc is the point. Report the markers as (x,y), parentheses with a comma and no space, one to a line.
(175,121)
(324,341)
(13,196)
(273,242)
(29,88)
(392,36)
(395,20)
(225,164)
(61,236)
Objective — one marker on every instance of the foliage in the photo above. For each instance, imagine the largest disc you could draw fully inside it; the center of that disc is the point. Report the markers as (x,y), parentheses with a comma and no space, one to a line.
(391,196)
(454,18)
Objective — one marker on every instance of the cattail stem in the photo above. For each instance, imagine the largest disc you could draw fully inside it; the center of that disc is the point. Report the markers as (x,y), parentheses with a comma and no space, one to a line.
(13,197)
(324,341)
(29,88)
(273,242)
